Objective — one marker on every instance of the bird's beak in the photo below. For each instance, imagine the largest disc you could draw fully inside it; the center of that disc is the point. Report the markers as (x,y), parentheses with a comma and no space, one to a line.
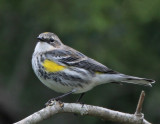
(40,39)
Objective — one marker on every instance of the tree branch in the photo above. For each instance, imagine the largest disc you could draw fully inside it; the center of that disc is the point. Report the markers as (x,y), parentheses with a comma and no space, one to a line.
(103,113)
(139,105)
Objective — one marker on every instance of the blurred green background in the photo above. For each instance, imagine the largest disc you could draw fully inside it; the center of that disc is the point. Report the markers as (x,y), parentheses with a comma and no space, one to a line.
(122,34)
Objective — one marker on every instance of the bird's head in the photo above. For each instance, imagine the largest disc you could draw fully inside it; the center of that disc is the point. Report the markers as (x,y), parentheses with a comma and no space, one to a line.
(50,38)
(48,41)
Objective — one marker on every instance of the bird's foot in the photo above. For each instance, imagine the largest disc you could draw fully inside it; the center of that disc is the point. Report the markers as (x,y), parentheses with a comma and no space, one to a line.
(75,114)
(52,102)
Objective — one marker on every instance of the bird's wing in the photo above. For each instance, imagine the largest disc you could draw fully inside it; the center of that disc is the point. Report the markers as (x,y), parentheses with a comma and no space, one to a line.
(71,57)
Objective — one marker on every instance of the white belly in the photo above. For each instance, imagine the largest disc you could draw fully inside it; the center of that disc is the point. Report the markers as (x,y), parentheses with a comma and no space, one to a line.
(58,87)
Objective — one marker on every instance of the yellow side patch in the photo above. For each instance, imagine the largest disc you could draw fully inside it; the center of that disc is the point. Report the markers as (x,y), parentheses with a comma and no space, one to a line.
(98,72)
(51,66)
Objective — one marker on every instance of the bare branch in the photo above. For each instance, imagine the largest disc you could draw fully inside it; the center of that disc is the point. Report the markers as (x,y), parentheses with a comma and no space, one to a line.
(103,113)
(139,105)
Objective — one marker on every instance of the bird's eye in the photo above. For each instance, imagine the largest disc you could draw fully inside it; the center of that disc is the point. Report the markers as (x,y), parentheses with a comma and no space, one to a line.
(51,40)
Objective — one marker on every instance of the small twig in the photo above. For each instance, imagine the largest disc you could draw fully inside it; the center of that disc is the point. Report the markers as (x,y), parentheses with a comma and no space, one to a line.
(139,105)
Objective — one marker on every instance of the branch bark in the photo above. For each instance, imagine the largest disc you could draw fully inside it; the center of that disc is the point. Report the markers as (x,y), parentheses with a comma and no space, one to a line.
(103,113)
(139,105)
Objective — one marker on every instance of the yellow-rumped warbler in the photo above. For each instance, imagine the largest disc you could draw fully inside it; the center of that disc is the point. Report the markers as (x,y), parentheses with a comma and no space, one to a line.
(66,70)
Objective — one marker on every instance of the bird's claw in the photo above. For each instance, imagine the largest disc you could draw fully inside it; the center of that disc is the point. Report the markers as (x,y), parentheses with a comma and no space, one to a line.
(50,102)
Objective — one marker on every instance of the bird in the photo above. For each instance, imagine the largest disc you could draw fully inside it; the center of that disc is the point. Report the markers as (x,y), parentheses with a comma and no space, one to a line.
(68,71)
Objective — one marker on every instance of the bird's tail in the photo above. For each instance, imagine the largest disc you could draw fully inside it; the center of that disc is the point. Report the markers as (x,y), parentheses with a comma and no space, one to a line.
(136,80)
